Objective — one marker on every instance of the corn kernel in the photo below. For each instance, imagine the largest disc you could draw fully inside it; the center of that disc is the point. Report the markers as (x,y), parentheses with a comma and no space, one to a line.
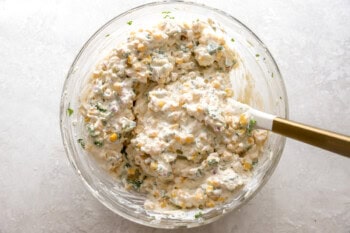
(141,47)
(174,126)
(163,203)
(213,183)
(199,109)
(229,92)
(216,84)
(87,119)
(221,199)
(154,165)
(182,102)
(218,55)
(183,205)
(189,139)
(96,74)
(198,196)
(210,204)
(179,61)
(247,166)
(117,86)
(209,188)
(129,60)
(178,138)
(153,134)
(156,194)
(147,59)
(131,171)
(242,119)
(182,179)
(250,140)
(171,149)
(161,103)
(113,137)
(241,131)
(128,186)
(157,36)
(173,108)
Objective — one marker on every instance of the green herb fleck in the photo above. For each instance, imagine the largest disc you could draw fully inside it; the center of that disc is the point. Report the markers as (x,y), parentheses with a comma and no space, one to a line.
(212,162)
(129,22)
(136,183)
(168,16)
(92,131)
(98,143)
(232,40)
(280,97)
(272,75)
(254,162)
(166,12)
(98,107)
(81,142)
(107,35)
(251,125)
(127,165)
(199,172)
(257,55)
(198,215)
(70,111)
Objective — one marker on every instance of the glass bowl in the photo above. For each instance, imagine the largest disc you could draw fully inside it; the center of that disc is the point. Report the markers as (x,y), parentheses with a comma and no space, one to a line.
(262,88)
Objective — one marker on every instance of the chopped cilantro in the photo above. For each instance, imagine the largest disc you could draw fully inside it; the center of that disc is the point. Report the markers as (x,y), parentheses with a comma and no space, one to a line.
(199,172)
(81,142)
(107,35)
(136,183)
(213,48)
(251,125)
(272,75)
(166,12)
(168,16)
(98,107)
(129,22)
(92,131)
(98,143)
(232,39)
(212,162)
(198,215)
(70,111)
(257,55)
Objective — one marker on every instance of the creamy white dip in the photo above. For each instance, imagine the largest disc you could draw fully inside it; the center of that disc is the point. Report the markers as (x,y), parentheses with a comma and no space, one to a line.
(160,113)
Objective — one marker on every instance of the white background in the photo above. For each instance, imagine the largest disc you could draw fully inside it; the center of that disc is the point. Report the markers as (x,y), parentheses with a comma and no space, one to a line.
(39,192)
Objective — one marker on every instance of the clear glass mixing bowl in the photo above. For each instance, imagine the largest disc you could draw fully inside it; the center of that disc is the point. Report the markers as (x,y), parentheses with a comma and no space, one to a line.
(263,89)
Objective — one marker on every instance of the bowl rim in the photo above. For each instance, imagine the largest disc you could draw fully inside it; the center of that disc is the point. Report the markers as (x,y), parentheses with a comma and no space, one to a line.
(62,113)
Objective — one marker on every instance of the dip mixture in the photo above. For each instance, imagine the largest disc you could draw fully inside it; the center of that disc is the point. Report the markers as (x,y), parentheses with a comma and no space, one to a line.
(160,114)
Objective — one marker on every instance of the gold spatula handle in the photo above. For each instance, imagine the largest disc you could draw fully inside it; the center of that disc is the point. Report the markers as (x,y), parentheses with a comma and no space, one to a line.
(318,137)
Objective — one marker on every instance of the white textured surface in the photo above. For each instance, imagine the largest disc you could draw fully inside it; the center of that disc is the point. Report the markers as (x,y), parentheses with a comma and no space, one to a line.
(39,192)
